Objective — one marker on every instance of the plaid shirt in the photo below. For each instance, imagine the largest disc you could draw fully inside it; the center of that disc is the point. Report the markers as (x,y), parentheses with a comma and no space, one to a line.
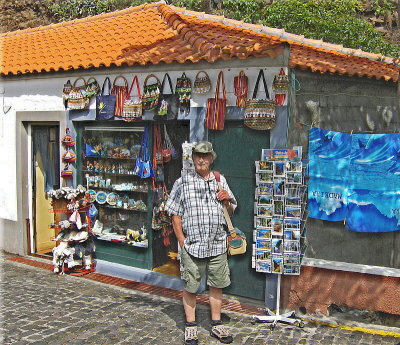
(195,200)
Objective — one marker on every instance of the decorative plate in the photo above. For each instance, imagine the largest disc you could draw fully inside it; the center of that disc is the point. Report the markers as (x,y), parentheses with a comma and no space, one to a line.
(101,197)
(92,194)
(112,198)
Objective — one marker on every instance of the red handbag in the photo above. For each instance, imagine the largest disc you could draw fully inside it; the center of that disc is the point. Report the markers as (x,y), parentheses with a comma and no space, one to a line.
(120,93)
(216,107)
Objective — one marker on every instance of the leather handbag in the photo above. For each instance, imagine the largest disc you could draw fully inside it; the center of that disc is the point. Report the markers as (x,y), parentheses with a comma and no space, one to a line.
(120,92)
(77,98)
(105,103)
(202,84)
(236,240)
(259,113)
(151,93)
(216,107)
(168,104)
(132,109)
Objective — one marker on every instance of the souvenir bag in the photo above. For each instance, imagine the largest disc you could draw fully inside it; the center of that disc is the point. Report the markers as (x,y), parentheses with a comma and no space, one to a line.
(132,109)
(69,156)
(236,241)
(77,98)
(143,167)
(161,218)
(280,86)
(169,150)
(92,87)
(120,92)
(105,103)
(65,93)
(240,84)
(151,93)
(183,88)
(202,84)
(216,107)
(67,172)
(167,108)
(158,168)
(68,140)
(259,113)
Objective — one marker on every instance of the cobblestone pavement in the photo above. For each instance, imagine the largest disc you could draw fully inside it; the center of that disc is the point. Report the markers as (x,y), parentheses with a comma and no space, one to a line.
(39,307)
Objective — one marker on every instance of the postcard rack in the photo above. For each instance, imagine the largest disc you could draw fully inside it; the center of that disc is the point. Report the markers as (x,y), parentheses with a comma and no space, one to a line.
(279,237)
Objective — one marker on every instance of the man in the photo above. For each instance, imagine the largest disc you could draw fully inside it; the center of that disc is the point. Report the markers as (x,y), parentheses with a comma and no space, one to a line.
(196,206)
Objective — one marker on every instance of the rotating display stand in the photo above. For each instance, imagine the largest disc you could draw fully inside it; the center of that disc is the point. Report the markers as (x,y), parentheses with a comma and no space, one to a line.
(280,217)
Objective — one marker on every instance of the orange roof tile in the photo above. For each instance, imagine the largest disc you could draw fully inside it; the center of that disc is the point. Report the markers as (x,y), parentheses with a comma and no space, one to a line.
(155,33)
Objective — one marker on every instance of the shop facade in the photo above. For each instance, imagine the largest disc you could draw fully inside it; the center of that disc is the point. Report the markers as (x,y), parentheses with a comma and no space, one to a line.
(34,107)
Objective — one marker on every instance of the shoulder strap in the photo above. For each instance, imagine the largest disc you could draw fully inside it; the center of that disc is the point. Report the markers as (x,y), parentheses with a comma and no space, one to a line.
(261,74)
(226,214)
(108,81)
(169,81)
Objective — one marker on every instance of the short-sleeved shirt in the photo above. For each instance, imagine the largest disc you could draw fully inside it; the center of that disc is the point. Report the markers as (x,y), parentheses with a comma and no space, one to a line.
(194,199)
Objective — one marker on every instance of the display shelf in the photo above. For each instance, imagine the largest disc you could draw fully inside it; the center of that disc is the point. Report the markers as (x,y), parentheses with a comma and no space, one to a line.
(141,244)
(108,173)
(123,209)
(119,191)
(106,157)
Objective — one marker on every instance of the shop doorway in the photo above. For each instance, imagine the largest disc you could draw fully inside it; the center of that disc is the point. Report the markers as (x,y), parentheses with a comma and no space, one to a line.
(45,176)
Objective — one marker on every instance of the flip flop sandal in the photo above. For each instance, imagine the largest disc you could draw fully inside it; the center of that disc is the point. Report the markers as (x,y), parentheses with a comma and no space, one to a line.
(191,335)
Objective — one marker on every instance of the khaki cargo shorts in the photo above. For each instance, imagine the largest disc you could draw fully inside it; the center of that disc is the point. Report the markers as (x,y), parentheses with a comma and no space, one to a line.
(192,269)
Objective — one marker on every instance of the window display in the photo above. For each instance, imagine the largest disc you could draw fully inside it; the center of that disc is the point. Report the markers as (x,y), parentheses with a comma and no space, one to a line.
(109,159)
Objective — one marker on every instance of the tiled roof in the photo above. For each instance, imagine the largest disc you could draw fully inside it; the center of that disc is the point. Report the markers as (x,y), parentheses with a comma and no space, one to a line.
(158,33)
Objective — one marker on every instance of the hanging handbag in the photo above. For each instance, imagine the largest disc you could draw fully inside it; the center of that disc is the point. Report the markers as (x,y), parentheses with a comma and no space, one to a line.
(202,84)
(143,166)
(77,98)
(65,92)
(151,93)
(259,114)
(132,109)
(67,172)
(240,84)
(69,156)
(68,140)
(158,168)
(105,103)
(183,88)
(92,87)
(236,241)
(216,107)
(120,92)
(167,108)
(169,150)
(280,86)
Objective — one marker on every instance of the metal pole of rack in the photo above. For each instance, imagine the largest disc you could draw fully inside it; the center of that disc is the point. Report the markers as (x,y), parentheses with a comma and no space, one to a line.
(274,318)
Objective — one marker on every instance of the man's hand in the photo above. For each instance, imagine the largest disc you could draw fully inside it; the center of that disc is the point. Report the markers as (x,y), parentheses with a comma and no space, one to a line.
(223,195)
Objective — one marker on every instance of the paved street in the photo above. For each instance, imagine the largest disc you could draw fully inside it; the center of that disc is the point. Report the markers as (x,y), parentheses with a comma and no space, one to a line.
(39,307)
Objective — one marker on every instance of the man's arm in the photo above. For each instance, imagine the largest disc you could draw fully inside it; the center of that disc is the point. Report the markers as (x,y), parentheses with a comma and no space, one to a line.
(177,225)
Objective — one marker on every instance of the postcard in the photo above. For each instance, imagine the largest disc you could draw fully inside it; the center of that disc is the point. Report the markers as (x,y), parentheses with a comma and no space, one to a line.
(265,189)
(263,244)
(262,166)
(277,246)
(292,201)
(262,222)
(278,208)
(266,211)
(292,224)
(263,255)
(263,233)
(293,212)
(265,200)
(291,259)
(294,166)
(291,246)
(291,269)
(279,169)
(279,187)
(277,226)
(263,266)
(264,177)
(294,178)
(277,264)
